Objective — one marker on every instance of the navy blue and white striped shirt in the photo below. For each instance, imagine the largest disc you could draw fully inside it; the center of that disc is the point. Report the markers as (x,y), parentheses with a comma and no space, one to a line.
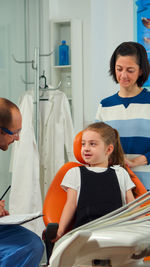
(131,117)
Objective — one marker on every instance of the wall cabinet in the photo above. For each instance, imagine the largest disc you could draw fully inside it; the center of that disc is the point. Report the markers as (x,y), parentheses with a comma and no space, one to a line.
(71,76)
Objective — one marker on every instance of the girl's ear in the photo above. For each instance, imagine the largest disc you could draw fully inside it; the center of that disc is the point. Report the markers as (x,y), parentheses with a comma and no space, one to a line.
(110,149)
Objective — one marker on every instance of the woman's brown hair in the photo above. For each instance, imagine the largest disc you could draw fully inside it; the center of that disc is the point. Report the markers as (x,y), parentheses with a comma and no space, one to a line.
(132,49)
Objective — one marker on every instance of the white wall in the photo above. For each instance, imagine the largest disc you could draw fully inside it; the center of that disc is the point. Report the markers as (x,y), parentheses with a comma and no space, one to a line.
(111,24)
(44,39)
(106,23)
(11,42)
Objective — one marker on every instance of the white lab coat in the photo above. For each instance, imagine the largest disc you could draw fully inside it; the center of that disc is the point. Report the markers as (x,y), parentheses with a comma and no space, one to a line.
(25,195)
(56,135)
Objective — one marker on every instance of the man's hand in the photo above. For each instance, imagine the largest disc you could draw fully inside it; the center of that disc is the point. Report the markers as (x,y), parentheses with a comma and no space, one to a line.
(3,212)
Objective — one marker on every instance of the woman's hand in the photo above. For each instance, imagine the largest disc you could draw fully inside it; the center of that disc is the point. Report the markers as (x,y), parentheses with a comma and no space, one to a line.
(3,212)
(138,161)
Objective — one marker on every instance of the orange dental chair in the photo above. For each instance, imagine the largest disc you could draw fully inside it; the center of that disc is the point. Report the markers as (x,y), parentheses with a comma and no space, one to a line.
(56,197)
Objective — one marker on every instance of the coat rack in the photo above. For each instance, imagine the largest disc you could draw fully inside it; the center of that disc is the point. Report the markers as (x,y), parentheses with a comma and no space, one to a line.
(35,66)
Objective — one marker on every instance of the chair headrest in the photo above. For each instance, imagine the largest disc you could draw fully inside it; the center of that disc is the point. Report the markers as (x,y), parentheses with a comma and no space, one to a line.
(77,144)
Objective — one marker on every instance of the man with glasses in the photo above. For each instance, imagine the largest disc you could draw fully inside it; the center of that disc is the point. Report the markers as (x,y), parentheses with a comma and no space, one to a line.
(18,245)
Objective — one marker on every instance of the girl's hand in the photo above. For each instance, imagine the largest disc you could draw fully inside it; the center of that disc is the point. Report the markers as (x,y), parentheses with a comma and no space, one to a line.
(58,236)
(67,214)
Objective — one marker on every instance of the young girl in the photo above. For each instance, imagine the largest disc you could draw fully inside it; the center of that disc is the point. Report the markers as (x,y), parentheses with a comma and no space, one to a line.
(100,187)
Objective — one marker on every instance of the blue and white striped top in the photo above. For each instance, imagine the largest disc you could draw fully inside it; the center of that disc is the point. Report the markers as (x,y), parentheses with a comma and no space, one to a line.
(131,117)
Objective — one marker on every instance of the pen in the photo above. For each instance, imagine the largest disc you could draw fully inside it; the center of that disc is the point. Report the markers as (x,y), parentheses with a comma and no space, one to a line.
(5,192)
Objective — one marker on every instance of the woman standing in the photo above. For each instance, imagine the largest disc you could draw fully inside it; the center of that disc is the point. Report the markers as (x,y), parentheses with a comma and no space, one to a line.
(129,109)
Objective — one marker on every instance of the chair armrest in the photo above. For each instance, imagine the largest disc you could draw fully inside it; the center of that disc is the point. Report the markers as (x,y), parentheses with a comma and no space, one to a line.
(48,234)
(51,231)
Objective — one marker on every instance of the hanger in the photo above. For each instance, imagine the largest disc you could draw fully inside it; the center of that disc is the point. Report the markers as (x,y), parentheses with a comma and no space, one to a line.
(44,87)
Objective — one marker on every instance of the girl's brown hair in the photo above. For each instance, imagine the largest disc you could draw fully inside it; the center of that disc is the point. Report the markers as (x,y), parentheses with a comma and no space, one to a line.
(109,136)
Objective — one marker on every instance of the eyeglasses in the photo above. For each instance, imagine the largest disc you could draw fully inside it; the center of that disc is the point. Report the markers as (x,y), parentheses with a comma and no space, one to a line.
(15,133)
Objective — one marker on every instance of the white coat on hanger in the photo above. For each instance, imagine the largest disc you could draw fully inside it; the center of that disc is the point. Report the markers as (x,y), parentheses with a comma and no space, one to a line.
(56,135)
(25,195)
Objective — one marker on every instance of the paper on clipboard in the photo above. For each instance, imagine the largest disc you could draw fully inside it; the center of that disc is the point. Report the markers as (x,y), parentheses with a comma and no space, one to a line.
(19,218)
